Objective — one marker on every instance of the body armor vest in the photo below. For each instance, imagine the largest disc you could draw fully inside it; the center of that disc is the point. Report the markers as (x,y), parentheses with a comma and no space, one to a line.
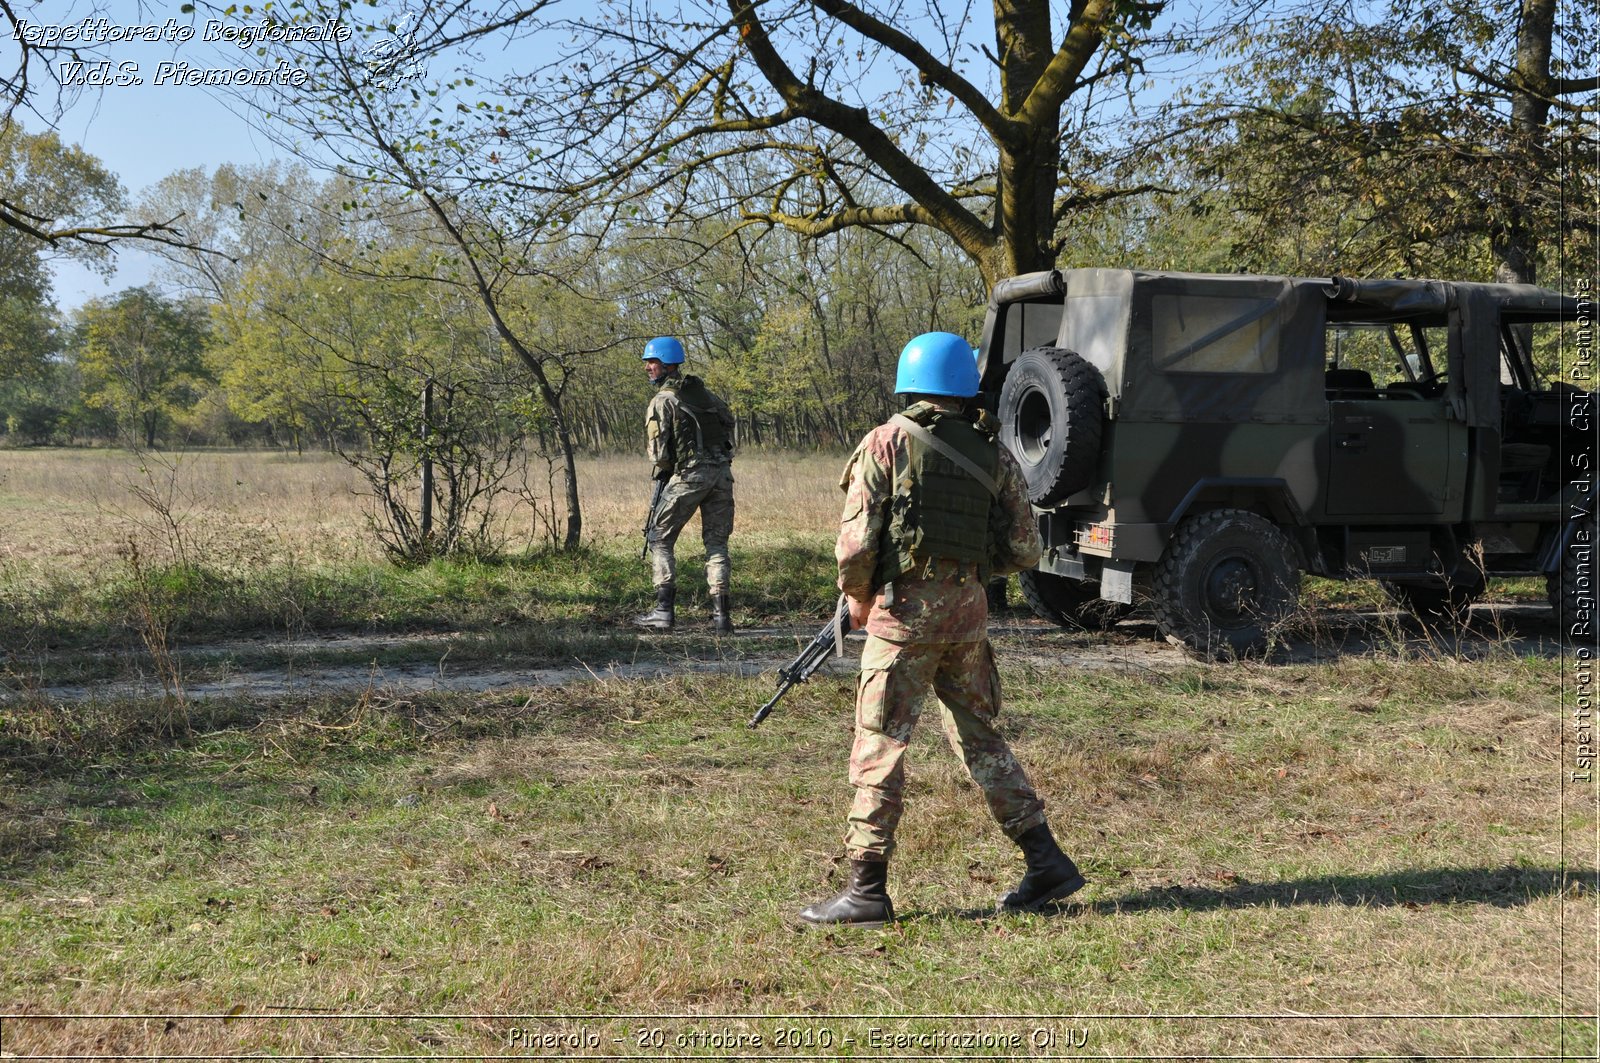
(939,510)
(698,433)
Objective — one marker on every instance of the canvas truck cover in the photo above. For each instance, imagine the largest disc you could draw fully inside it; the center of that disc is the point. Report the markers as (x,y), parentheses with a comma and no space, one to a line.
(1174,346)
(1222,348)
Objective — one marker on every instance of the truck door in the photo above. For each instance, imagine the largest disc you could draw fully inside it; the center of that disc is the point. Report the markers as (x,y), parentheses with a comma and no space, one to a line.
(1394,447)
(1388,455)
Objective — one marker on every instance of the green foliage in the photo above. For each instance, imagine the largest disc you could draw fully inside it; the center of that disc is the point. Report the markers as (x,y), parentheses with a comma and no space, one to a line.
(41,180)
(1419,139)
(27,334)
(47,185)
(1193,233)
(352,358)
(142,357)
(801,337)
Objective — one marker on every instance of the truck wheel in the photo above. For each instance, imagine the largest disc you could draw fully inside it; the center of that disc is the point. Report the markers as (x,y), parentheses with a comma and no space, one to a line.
(1444,602)
(1571,589)
(1228,579)
(1069,602)
(1050,419)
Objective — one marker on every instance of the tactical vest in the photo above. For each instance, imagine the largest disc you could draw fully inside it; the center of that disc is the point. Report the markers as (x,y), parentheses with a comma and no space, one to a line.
(698,434)
(939,510)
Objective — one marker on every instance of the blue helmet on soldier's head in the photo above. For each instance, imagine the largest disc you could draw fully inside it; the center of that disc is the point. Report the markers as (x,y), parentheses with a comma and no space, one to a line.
(664,349)
(937,363)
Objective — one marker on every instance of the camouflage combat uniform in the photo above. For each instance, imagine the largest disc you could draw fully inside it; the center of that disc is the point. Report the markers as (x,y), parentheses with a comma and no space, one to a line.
(927,627)
(689,438)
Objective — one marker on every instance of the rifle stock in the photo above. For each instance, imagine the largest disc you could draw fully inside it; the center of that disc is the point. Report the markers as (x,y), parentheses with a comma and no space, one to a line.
(810,659)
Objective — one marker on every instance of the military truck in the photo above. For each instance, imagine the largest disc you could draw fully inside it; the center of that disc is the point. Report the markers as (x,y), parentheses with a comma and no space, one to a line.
(1202,440)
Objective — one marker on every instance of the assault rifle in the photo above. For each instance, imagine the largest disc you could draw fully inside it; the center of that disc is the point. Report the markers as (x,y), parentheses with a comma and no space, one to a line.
(650,516)
(811,658)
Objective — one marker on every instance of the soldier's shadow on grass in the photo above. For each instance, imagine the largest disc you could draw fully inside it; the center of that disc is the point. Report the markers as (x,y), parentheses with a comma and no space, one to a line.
(1498,887)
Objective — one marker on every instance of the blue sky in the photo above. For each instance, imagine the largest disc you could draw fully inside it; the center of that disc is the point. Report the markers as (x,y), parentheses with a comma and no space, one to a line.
(143,132)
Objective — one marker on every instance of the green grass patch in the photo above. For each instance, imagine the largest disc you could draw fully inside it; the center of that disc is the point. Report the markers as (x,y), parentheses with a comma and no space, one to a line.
(1364,838)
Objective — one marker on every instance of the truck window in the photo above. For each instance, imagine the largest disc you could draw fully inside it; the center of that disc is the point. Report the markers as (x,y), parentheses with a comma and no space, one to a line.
(1029,325)
(1214,334)
(1550,350)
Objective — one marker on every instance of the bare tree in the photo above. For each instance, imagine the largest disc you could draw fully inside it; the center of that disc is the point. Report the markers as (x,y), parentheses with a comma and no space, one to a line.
(368,113)
(991,124)
(30,81)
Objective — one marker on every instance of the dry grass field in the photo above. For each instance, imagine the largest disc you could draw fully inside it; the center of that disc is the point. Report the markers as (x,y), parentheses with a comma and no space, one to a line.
(1374,849)
(71,511)
(102,549)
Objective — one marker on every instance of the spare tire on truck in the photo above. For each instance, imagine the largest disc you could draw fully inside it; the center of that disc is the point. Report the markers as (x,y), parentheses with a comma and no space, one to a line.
(1051,409)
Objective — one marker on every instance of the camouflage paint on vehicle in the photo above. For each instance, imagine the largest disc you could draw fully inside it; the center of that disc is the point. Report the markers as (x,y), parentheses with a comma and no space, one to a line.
(1230,392)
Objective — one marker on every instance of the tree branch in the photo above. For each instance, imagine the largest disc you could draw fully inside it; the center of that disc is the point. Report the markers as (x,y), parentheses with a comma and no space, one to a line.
(938,207)
(1083,199)
(1549,92)
(932,70)
(854,217)
(40,228)
(1061,77)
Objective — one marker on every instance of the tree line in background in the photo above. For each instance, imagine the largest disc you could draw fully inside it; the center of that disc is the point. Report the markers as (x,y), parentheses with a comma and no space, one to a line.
(283,342)
(795,188)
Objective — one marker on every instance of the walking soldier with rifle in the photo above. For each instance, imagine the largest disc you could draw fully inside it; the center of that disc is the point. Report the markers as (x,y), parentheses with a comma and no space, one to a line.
(689,440)
(934,507)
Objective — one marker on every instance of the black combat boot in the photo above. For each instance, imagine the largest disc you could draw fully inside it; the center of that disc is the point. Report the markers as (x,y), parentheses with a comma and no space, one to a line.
(660,618)
(721,619)
(1051,874)
(864,902)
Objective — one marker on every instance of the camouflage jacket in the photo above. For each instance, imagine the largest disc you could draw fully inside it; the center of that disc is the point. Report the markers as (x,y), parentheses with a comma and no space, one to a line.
(665,407)
(946,601)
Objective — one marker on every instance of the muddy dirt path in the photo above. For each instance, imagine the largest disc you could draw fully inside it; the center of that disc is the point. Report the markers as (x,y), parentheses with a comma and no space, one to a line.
(422,662)
(289,667)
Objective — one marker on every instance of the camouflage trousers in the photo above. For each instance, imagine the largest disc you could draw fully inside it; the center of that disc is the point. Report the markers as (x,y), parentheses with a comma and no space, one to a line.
(895,677)
(710,490)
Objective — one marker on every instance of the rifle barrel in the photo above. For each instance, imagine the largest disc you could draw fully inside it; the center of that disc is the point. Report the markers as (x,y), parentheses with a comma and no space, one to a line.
(766,710)
(650,517)
(806,665)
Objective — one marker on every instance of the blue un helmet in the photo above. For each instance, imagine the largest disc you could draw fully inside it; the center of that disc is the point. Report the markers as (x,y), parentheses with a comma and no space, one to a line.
(664,349)
(937,363)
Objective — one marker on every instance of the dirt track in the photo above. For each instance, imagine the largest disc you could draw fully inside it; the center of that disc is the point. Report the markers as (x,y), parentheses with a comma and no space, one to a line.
(422,662)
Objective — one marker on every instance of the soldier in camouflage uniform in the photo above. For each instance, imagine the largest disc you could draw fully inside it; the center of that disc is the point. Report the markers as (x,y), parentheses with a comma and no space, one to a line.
(689,439)
(934,507)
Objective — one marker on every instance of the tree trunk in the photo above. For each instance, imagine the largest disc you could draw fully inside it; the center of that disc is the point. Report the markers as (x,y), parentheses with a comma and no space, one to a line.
(569,454)
(1515,244)
(1025,211)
